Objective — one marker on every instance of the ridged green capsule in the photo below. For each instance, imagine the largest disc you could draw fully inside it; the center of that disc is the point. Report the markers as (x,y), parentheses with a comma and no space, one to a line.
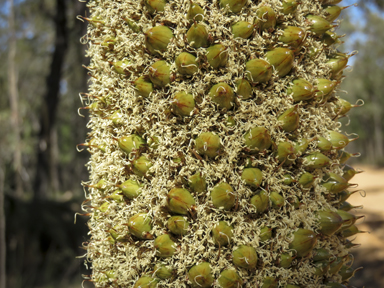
(245,257)
(321,267)
(292,36)
(269,282)
(349,172)
(160,73)
(344,195)
(223,195)
(208,144)
(287,180)
(180,201)
(243,89)
(276,199)
(235,6)
(281,59)
(197,36)
(200,275)
(338,140)
(164,246)
(348,219)
(289,119)
(139,225)
(178,225)
(118,233)
(323,144)
(217,56)
(110,274)
(222,234)
(330,222)
(346,206)
(318,25)
(350,231)
(349,244)
(324,87)
(222,94)
(336,265)
(321,254)
(183,103)
(347,273)
(141,165)
(289,6)
(121,67)
(154,6)
(332,12)
(197,183)
(108,43)
(116,196)
(157,39)
(258,139)
(265,18)
(285,153)
(101,185)
(306,180)
(103,207)
(304,241)
(230,279)
(316,160)
(344,156)
(131,189)
(285,260)
(301,90)
(146,282)
(186,64)
(130,143)
(242,29)
(132,25)
(265,234)
(330,38)
(343,107)
(252,177)
(334,183)
(301,146)
(163,272)
(116,118)
(258,71)
(143,86)
(195,12)
(260,201)
(337,63)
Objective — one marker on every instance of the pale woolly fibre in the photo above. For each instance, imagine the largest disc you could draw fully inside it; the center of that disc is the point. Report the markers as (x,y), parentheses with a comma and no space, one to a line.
(152,117)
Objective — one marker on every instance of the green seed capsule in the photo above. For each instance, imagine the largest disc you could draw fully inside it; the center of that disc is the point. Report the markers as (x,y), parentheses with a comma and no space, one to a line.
(243,89)
(223,196)
(118,233)
(245,257)
(222,94)
(277,200)
(347,273)
(316,160)
(286,153)
(338,140)
(318,25)
(265,234)
(252,177)
(260,201)
(108,43)
(349,172)
(348,244)
(242,29)
(336,265)
(334,183)
(146,282)
(330,222)
(180,201)
(160,73)
(350,231)
(230,122)
(178,225)
(186,64)
(163,272)
(208,144)
(343,107)
(139,225)
(197,183)
(157,39)
(195,12)
(332,12)
(321,267)
(344,195)
(265,18)
(132,25)
(130,143)
(222,234)
(131,189)
(116,118)
(230,279)
(217,56)
(321,254)
(164,246)
(289,119)
(286,260)
(141,165)
(292,36)
(325,87)
(155,6)
(116,196)
(197,36)
(269,282)
(323,144)
(330,38)
(101,185)
(143,86)
(258,139)
(337,63)
(304,241)
(301,146)
(281,59)
(121,67)
(301,90)
(287,180)
(235,6)
(348,219)
(258,71)
(289,6)
(183,103)
(200,275)
(103,207)
(306,180)
(346,206)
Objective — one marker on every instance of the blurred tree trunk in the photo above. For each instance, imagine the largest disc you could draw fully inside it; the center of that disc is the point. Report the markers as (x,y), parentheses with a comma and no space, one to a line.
(46,169)
(3,247)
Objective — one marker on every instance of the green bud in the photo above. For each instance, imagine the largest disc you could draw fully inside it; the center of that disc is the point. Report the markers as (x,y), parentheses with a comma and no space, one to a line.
(292,36)
(304,241)
(269,282)
(217,56)
(200,275)
(277,200)
(223,196)
(178,225)
(301,146)
(349,172)
(155,6)
(197,183)
(143,86)
(265,18)
(258,139)
(118,233)
(222,94)
(101,185)
(222,234)
(130,143)
(180,201)
(132,25)
(208,144)
(108,43)
(281,59)
(338,140)
(289,6)
(349,244)
(183,103)
(332,12)
(243,89)
(316,160)
(323,144)
(330,222)
(252,177)
(350,231)
(121,67)
(131,189)
(116,196)
(321,254)
(163,272)
(330,38)
(286,153)
(306,180)
(318,25)
(235,6)
(160,73)
(258,71)
(337,63)
(146,282)
(96,21)
(186,64)
(157,39)
(321,267)
(334,183)
(242,29)
(336,265)
(343,107)
(230,279)
(260,201)
(344,156)
(197,36)
(230,121)
(325,88)
(346,206)
(245,257)
(139,225)
(344,195)
(265,234)
(287,180)
(347,273)
(289,119)
(153,142)
(195,12)
(301,90)
(164,246)
(286,260)
(116,118)
(348,219)
(103,207)
(141,165)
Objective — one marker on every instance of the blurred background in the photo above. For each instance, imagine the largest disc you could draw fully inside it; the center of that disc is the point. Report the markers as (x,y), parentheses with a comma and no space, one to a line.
(41,75)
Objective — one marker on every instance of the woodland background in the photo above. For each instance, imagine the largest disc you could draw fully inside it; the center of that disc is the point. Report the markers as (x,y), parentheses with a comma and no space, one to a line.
(41,76)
